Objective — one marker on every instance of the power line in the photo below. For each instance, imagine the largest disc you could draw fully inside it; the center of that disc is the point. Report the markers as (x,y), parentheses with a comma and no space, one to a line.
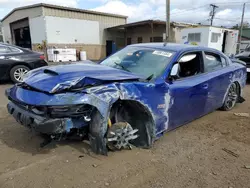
(225,19)
(187,10)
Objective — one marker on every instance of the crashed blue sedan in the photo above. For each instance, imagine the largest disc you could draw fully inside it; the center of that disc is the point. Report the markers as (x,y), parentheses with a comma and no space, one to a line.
(129,99)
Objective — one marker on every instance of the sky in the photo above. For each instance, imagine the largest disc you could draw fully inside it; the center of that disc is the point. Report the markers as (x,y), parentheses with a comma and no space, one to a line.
(191,11)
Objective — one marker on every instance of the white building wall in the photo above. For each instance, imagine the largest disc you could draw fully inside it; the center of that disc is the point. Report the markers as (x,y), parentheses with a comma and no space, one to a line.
(204,31)
(216,45)
(71,31)
(37,30)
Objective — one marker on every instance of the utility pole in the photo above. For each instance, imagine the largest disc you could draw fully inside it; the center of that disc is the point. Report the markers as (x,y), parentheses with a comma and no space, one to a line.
(167,20)
(212,13)
(241,25)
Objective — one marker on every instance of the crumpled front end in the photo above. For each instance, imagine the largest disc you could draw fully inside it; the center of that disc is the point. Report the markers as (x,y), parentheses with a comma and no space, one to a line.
(84,114)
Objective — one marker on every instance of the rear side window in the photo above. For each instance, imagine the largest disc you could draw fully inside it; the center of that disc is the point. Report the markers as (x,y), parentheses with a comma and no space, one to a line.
(4,50)
(212,62)
(15,50)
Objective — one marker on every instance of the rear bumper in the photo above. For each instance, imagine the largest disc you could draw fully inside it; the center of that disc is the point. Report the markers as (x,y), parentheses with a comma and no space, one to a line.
(38,64)
(38,123)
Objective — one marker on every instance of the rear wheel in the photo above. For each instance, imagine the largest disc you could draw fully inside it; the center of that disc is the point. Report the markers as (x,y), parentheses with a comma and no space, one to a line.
(18,72)
(231,98)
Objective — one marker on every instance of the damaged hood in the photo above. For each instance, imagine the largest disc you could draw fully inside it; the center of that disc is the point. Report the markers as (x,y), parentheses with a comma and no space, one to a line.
(58,78)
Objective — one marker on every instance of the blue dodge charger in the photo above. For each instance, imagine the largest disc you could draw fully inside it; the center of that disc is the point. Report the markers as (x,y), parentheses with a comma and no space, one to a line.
(129,99)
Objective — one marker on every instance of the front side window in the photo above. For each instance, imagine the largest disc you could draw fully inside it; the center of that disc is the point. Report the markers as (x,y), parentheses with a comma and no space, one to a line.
(212,62)
(215,37)
(194,37)
(146,62)
(189,65)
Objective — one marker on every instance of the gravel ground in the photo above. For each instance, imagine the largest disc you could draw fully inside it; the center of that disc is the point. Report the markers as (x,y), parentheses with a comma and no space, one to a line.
(190,156)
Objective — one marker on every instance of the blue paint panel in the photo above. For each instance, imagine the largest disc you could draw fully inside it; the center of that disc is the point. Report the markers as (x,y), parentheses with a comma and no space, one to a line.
(171,103)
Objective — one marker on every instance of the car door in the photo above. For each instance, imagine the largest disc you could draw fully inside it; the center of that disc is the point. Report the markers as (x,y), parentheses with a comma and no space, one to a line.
(215,69)
(4,61)
(189,96)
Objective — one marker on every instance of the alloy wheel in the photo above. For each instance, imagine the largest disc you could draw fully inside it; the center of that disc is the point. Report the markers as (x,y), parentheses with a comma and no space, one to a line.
(20,73)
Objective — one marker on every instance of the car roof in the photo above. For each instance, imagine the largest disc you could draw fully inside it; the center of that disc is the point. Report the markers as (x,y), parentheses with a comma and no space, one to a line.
(8,45)
(174,47)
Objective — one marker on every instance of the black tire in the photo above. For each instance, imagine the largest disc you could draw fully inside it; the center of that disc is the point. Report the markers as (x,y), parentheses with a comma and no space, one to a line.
(22,69)
(231,98)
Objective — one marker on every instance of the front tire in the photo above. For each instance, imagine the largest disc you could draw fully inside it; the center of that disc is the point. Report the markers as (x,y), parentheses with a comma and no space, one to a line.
(18,72)
(231,98)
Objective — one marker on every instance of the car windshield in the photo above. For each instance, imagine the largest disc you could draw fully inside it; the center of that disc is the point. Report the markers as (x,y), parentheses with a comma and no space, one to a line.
(146,62)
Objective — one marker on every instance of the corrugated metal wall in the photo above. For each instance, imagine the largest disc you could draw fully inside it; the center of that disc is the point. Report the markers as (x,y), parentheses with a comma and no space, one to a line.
(19,15)
(105,19)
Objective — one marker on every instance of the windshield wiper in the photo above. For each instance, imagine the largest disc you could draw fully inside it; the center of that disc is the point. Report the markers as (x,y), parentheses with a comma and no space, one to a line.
(124,68)
(150,77)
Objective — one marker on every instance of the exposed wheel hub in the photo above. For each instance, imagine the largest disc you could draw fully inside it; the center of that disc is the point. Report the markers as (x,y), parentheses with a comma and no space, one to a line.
(120,135)
(232,97)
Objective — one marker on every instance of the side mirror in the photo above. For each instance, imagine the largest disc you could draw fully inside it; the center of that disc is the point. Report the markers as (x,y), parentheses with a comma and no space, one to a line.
(175,70)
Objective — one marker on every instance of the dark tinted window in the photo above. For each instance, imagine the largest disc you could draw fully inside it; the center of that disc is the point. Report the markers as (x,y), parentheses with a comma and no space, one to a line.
(139,40)
(212,62)
(129,41)
(4,50)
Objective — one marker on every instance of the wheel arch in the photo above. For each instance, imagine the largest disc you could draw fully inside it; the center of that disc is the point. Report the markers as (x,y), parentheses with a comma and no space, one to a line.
(138,116)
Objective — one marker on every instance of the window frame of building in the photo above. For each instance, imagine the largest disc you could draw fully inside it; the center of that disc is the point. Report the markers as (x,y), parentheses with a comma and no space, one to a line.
(139,40)
(129,40)
(194,37)
(156,39)
(215,37)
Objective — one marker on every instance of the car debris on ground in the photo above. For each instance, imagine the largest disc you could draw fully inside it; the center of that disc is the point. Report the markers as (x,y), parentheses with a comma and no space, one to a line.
(247,166)
(242,114)
(230,152)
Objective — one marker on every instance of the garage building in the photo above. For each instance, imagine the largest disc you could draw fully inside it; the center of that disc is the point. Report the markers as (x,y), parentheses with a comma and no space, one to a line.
(44,25)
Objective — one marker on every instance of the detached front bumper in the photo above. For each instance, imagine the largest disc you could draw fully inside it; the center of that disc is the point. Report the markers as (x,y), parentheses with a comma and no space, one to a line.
(38,123)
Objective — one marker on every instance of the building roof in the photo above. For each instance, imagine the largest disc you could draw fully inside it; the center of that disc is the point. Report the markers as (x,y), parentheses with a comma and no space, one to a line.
(63,8)
(146,22)
(246,33)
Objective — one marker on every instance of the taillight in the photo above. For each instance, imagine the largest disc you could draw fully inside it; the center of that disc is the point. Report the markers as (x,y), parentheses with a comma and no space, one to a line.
(42,57)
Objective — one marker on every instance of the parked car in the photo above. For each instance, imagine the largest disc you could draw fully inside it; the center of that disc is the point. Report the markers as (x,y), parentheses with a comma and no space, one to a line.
(15,62)
(245,56)
(129,99)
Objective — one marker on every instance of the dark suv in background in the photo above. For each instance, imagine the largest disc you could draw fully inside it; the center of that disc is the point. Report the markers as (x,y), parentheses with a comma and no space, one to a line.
(15,62)
(245,56)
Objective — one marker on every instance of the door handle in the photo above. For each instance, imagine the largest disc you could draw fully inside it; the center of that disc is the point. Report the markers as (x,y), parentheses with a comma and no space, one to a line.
(205,86)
